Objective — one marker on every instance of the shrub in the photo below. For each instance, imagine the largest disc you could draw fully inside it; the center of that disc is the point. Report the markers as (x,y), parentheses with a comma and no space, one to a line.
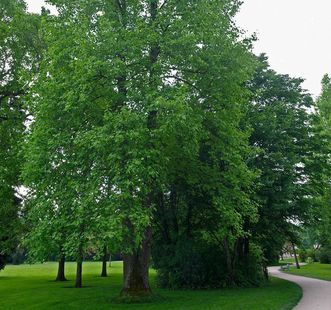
(302,255)
(309,260)
(194,264)
(312,253)
(324,255)
(189,265)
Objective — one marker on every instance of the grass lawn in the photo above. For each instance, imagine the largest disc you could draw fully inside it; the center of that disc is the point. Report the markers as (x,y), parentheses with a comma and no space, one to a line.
(287,261)
(315,270)
(32,287)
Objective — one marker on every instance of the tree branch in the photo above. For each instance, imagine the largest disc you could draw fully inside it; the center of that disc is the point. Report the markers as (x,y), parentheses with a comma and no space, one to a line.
(182,80)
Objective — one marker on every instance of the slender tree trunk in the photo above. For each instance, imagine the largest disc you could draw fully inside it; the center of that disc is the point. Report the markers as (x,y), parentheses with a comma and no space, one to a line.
(79,270)
(135,269)
(61,268)
(295,256)
(265,271)
(104,262)
(109,259)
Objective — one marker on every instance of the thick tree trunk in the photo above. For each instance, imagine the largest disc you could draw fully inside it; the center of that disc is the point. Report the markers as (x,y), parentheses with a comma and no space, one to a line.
(61,267)
(295,256)
(104,262)
(79,270)
(135,269)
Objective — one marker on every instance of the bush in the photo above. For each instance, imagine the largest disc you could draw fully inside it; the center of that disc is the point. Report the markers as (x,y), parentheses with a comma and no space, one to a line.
(191,264)
(310,260)
(302,255)
(324,255)
(312,253)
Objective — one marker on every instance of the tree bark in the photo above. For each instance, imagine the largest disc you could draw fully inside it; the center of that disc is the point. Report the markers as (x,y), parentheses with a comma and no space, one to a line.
(61,269)
(295,256)
(79,270)
(135,269)
(229,261)
(104,262)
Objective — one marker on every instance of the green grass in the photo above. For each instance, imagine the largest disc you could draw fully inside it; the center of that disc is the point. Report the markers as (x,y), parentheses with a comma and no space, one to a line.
(32,287)
(287,260)
(315,270)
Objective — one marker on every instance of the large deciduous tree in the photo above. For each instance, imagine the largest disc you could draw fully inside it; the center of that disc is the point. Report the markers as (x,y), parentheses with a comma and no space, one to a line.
(138,107)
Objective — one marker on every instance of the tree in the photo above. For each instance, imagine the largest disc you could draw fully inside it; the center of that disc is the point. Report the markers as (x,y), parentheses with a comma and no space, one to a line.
(123,84)
(19,57)
(292,157)
(66,192)
(324,111)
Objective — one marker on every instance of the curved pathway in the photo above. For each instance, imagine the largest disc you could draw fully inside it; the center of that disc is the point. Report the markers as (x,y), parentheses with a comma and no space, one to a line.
(316,293)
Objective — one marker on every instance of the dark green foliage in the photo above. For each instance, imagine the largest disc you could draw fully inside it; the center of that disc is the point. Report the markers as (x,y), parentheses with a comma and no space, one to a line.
(3,261)
(189,264)
(302,255)
(195,264)
(292,158)
(323,255)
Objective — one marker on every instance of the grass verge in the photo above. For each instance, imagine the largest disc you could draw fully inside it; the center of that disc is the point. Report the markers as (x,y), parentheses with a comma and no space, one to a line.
(315,270)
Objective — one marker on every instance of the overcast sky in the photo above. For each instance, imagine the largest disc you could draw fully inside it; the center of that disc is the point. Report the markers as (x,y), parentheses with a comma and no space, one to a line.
(295,34)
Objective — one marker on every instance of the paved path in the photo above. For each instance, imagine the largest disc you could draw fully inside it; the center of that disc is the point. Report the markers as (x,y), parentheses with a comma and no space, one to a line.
(316,293)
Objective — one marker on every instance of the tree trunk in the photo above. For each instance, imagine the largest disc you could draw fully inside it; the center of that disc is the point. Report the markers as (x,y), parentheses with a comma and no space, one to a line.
(135,269)
(104,262)
(229,261)
(79,270)
(60,272)
(265,271)
(109,259)
(295,256)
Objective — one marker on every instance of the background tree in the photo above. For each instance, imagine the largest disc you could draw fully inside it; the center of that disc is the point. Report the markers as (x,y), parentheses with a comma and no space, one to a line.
(292,157)
(323,227)
(19,57)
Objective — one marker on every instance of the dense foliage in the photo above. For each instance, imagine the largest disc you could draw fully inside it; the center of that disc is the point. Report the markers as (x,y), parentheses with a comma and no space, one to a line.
(292,158)
(155,132)
(19,55)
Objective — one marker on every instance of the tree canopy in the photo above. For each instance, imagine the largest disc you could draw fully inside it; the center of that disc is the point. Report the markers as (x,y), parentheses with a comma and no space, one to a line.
(148,128)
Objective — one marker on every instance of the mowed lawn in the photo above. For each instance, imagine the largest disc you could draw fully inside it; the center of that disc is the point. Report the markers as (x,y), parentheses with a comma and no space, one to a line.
(315,270)
(33,287)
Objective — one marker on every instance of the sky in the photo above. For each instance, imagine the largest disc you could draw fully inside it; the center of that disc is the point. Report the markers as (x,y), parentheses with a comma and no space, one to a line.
(295,34)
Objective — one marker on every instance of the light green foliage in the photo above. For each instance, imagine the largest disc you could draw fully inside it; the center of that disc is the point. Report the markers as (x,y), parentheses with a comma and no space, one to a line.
(132,99)
(324,102)
(142,121)
(321,231)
